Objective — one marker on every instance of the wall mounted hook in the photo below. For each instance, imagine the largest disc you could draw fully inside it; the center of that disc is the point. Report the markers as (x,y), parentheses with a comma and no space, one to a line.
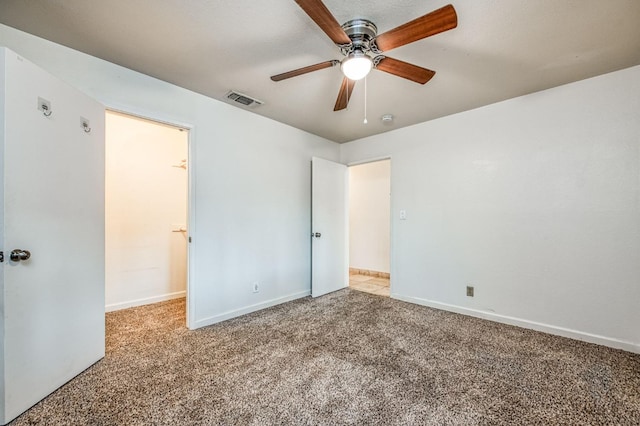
(85,124)
(44,106)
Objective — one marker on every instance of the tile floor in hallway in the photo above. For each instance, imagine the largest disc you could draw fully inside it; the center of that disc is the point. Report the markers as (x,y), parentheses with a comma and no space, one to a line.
(369,284)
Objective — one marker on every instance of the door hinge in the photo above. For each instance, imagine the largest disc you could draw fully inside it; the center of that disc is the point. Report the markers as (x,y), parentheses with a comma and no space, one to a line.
(1,256)
(189,239)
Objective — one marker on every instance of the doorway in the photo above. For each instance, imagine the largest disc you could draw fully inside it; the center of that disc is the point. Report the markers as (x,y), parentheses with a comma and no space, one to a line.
(146,211)
(370,227)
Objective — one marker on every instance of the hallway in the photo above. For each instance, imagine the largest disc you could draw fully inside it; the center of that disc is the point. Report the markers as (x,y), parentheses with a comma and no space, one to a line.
(369,284)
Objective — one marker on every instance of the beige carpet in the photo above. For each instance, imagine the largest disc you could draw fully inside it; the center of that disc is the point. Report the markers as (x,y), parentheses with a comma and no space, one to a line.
(345,358)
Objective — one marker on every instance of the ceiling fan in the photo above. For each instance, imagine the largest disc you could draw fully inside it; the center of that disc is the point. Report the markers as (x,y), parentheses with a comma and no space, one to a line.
(362,47)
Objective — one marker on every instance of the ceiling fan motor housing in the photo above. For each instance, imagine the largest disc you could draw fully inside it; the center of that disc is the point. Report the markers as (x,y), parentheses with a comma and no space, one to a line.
(361,32)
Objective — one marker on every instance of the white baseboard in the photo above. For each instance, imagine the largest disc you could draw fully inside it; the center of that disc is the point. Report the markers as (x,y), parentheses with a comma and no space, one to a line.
(146,301)
(247,310)
(532,325)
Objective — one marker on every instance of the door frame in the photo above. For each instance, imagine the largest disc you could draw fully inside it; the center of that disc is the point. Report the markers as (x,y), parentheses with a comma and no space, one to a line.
(391,208)
(191,190)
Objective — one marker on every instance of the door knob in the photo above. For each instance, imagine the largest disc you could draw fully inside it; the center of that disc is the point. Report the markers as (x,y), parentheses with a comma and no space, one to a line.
(18,254)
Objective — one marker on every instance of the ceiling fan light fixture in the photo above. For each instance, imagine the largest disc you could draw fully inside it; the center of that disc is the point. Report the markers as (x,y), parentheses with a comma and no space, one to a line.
(356,65)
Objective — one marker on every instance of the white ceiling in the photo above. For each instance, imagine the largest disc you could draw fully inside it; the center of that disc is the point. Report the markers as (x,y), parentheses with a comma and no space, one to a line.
(500,49)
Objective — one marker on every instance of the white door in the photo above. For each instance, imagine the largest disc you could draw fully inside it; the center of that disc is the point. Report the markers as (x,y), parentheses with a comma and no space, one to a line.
(329,226)
(53,207)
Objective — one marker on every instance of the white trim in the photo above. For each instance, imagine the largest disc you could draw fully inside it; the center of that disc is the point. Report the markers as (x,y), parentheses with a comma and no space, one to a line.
(248,309)
(392,228)
(145,301)
(532,325)
(370,160)
(147,115)
(191,229)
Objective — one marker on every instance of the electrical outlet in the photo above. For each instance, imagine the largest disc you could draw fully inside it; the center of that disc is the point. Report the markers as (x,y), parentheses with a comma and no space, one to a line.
(470,291)
(255,286)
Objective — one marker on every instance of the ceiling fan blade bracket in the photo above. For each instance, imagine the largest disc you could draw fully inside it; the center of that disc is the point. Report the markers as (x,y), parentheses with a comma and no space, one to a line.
(373,47)
(345,49)
(377,59)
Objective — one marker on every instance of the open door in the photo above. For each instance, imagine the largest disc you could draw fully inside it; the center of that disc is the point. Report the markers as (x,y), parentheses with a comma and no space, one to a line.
(329,226)
(52,220)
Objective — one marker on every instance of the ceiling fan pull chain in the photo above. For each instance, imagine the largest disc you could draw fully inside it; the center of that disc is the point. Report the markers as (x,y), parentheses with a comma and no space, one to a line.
(365,100)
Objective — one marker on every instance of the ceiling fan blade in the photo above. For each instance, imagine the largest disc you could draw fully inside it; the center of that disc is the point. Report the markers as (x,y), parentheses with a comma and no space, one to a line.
(405,70)
(325,20)
(345,94)
(304,70)
(430,24)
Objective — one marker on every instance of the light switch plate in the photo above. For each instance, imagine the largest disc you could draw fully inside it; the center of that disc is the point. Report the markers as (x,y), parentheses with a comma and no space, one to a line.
(403,215)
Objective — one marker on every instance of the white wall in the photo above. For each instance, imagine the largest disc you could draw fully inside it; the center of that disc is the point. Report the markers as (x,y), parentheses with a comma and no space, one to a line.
(252,181)
(370,216)
(146,200)
(535,201)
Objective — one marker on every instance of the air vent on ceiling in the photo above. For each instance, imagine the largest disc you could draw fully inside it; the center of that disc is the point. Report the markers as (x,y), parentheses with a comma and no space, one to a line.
(243,99)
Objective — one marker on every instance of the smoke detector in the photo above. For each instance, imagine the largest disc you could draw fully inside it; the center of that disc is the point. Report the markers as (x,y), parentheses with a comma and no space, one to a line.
(243,99)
